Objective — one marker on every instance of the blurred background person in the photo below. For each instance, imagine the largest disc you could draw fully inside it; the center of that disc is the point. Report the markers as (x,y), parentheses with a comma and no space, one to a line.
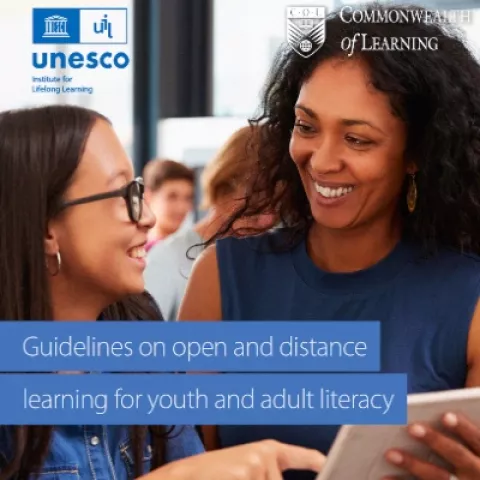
(169,191)
(224,186)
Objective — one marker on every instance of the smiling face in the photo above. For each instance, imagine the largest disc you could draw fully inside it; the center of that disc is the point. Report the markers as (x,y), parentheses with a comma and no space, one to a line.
(348,147)
(101,248)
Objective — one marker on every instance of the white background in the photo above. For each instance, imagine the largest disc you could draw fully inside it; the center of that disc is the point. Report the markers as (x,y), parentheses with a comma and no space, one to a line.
(113,88)
(117,18)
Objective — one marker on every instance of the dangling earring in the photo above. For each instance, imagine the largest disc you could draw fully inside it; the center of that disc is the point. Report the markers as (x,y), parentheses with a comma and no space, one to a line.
(412,194)
(59,265)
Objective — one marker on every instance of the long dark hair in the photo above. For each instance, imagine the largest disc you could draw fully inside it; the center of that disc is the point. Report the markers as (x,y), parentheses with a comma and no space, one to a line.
(436,93)
(40,150)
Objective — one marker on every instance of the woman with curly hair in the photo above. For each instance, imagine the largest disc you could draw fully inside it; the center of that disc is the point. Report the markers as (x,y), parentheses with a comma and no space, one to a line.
(373,161)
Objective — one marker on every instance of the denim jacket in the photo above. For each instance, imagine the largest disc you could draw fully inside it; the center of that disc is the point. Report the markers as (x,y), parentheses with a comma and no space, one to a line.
(81,452)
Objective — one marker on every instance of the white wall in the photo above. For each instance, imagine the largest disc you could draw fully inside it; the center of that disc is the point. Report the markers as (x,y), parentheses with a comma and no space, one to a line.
(193,140)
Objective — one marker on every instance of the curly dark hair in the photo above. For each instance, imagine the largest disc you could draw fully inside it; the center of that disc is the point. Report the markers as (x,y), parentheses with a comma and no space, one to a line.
(435,92)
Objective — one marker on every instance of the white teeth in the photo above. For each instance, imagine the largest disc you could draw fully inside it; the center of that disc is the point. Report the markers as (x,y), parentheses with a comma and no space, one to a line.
(137,252)
(328,192)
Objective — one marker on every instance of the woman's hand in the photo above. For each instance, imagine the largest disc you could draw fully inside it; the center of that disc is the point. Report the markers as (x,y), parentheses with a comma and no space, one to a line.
(465,461)
(265,460)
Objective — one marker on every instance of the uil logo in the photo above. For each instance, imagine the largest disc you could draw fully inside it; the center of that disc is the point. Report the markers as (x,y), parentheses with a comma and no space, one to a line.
(306,29)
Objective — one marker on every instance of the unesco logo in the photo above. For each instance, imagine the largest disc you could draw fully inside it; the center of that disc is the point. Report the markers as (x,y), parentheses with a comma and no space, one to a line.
(80,26)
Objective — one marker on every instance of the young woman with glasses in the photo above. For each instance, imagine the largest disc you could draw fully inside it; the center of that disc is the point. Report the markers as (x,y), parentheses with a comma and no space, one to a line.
(73,227)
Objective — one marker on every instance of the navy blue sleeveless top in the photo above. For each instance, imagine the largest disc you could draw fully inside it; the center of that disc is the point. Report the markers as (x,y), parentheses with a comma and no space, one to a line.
(425,306)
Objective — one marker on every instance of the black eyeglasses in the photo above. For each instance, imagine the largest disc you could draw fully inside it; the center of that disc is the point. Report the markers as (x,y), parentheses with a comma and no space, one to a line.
(131,193)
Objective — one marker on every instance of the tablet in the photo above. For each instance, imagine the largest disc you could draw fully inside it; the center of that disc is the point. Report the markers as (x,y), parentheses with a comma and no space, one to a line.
(358,450)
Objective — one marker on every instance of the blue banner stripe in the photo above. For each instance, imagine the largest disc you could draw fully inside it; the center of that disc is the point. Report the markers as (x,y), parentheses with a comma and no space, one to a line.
(292,346)
(232,399)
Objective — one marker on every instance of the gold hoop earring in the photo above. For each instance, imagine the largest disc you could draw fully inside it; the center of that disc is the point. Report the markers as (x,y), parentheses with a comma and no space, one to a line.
(412,194)
(59,265)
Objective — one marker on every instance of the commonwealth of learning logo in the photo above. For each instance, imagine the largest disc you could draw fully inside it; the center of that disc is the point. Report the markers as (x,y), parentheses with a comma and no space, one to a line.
(86,26)
(306,29)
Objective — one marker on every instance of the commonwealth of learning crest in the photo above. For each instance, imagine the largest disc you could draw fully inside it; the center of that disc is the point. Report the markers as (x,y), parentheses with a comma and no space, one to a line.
(306,29)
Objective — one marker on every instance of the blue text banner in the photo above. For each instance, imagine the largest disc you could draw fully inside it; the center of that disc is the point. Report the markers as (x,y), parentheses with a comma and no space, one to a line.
(293,346)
